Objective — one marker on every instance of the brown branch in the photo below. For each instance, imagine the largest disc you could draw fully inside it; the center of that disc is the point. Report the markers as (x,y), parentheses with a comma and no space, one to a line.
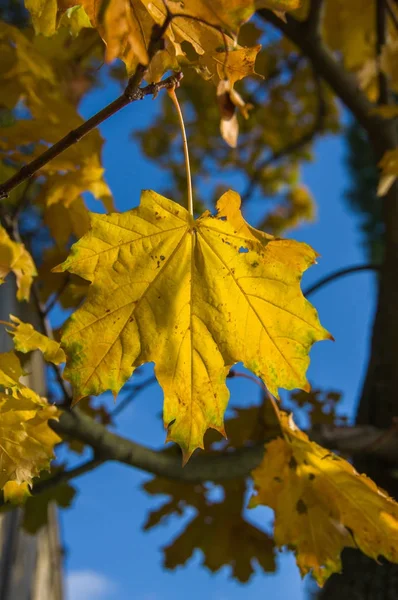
(341,81)
(391,12)
(340,273)
(364,440)
(131,94)
(314,18)
(136,389)
(62,477)
(56,296)
(111,446)
(381,29)
(215,466)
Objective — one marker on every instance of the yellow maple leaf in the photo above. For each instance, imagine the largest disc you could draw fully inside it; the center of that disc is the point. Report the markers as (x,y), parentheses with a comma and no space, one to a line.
(16,493)
(66,221)
(322,504)
(14,257)
(26,440)
(194,297)
(27,339)
(10,370)
(389,168)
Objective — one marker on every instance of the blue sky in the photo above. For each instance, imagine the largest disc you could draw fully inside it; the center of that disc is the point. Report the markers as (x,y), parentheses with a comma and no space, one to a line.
(108,556)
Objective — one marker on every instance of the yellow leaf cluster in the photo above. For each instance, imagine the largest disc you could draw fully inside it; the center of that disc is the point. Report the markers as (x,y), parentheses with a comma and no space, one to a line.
(14,257)
(194,297)
(31,75)
(27,339)
(322,504)
(26,440)
(126,29)
(350,29)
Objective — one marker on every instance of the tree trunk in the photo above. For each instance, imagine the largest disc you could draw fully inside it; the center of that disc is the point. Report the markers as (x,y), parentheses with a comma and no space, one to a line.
(30,565)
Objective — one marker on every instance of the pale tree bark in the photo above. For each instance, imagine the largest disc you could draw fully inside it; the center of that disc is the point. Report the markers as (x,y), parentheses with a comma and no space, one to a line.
(30,565)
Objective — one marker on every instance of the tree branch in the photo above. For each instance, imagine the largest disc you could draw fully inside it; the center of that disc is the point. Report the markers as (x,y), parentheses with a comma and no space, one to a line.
(342,82)
(216,466)
(381,28)
(110,446)
(131,94)
(391,12)
(62,477)
(314,18)
(337,274)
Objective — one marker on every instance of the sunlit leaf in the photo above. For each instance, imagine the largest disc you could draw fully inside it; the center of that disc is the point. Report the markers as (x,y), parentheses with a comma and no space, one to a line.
(194,297)
(27,339)
(322,504)
(14,257)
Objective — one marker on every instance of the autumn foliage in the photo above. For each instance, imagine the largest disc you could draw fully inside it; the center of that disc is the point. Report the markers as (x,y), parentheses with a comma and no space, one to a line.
(193,288)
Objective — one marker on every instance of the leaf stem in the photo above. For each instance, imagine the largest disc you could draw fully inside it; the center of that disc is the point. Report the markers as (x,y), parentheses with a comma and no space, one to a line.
(172,94)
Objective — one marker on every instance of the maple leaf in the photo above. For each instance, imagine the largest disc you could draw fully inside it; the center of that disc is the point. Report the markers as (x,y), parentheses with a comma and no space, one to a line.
(27,339)
(10,370)
(389,167)
(66,221)
(16,493)
(14,257)
(220,529)
(322,504)
(70,289)
(35,508)
(27,441)
(31,75)
(194,297)
(224,537)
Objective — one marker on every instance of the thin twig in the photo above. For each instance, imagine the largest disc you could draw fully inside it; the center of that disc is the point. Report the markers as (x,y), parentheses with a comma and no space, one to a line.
(47,329)
(139,387)
(381,31)
(314,18)
(62,477)
(131,94)
(392,13)
(337,274)
(56,296)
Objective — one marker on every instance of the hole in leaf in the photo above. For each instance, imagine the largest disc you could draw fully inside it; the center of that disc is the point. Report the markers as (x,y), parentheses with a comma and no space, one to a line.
(243,250)
(301,507)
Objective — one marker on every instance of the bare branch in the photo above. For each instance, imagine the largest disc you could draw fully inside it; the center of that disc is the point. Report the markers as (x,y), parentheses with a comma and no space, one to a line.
(340,273)
(391,12)
(136,389)
(56,296)
(131,94)
(62,477)
(216,466)
(341,81)
(314,18)
(381,29)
